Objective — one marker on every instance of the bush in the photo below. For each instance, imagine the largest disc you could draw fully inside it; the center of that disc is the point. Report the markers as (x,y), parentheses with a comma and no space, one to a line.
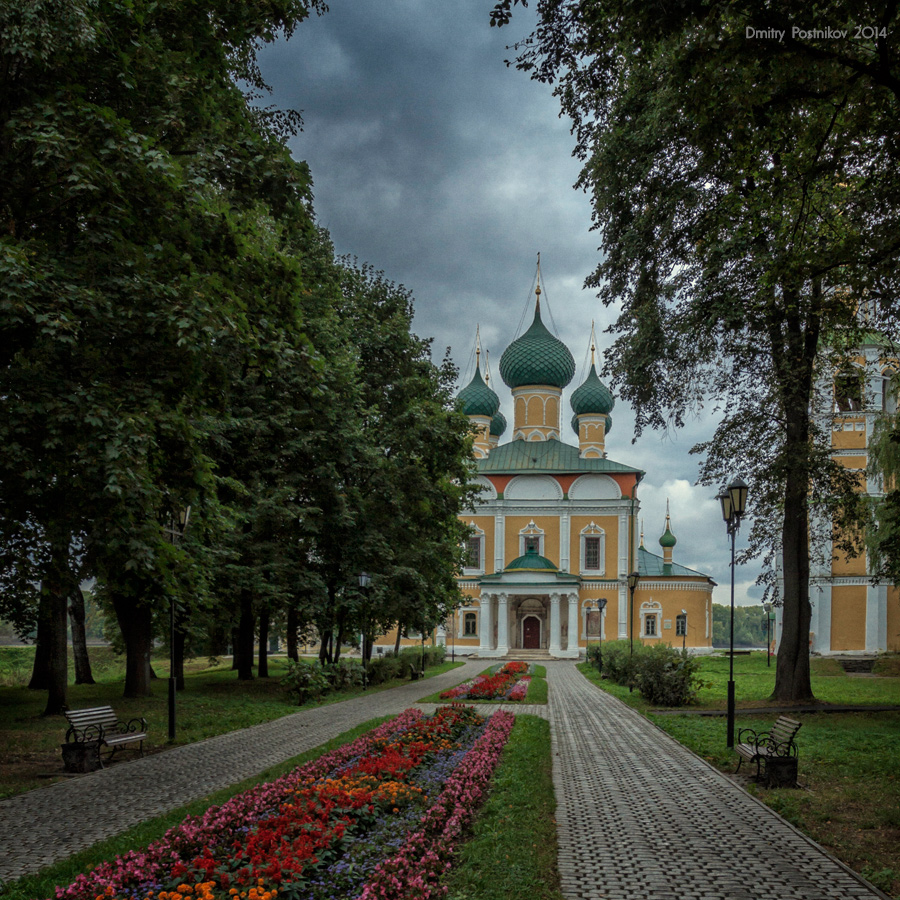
(618,663)
(666,677)
(344,674)
(306,681)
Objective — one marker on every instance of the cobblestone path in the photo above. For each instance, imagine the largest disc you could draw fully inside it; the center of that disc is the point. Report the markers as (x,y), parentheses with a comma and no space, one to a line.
(642,818)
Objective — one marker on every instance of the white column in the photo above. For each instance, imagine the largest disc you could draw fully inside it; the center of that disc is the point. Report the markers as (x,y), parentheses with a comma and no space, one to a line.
(499,542)
(555,636)
(623,545)
(876,618)
(485,629)
(564,539)
(502,625)
(572,649)
(623,610)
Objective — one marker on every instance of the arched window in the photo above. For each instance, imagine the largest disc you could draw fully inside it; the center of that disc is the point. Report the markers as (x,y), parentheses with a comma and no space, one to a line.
(474,562)
(531,538)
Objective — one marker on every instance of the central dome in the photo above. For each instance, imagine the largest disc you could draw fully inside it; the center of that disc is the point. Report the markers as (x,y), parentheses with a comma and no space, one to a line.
(537,357)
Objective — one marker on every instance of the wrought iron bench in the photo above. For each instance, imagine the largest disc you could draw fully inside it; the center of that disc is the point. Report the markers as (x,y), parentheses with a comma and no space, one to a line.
(100,726)
(774,751)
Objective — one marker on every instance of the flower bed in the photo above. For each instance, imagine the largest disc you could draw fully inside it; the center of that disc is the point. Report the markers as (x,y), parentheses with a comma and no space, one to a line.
(336,827)
(508,683)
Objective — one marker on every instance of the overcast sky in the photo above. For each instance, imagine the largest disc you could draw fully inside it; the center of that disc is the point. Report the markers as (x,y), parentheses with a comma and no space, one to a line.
(437,164)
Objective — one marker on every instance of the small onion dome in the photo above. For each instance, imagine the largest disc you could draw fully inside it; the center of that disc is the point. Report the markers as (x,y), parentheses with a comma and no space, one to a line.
(668,539)
(537,357)
(607,430)
(532,561)
(498,424)
(477,398)
(592,397)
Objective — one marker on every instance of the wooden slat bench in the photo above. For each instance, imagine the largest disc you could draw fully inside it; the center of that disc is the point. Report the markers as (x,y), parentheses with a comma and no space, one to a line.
(102,725)
(771,750)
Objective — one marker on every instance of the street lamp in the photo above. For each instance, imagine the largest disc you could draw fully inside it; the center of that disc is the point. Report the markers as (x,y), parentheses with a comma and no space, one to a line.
(453,638)
(683,618)
(178,523)
(601,605)
(768,608)
(365,579)
(734,505)
(633,580)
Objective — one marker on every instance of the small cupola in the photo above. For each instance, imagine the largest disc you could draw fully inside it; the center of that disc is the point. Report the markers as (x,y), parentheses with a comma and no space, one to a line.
(668,540)
(479,402)
(592,403)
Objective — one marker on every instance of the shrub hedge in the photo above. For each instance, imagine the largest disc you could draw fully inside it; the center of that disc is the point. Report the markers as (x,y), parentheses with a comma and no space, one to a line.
(664,676)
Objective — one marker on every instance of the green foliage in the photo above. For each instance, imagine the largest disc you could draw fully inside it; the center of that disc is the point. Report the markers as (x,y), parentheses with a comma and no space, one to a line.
(667,677)
(664,676)
(735,181)
(306,681)
(749,626)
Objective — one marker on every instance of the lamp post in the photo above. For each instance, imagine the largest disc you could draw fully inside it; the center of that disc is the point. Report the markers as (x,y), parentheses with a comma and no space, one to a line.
(768,608)
(683,618)
(453,637)
(734,505)
(633,580)
(178,523)
(423,642)
(365,579)
(601,605)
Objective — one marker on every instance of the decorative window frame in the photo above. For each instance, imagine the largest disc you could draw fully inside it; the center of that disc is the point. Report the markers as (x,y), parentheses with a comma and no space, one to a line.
(680,623)
(585,609)
(463,613)
(530,531)
(651,609)
(593,530)
(476,534)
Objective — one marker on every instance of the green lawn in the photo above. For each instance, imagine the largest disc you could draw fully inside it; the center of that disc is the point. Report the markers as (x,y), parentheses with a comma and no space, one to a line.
(849,762)
(213,702)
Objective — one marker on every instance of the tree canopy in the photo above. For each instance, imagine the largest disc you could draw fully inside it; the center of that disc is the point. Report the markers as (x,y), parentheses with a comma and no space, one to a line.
(745,189)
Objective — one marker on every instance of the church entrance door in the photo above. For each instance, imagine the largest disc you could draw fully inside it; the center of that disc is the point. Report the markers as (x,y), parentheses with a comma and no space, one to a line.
(531,633)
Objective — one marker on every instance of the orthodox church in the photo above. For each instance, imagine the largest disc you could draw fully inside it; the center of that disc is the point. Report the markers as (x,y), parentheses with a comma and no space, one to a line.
(555,561)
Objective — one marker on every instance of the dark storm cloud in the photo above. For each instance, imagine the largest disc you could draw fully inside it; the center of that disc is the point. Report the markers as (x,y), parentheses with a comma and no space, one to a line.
(435,162)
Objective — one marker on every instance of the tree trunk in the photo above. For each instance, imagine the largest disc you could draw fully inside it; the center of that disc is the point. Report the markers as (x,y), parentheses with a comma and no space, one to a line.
(338,641)
(794,354)
(178,655)
(397,639)
(263,669)
(293,623)
(235,648)
(246,629)
(135,620)
(83,674)
(40,672)
(58,586)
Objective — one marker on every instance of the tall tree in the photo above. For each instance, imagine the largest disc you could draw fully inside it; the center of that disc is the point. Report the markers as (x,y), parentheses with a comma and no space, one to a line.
(744,189)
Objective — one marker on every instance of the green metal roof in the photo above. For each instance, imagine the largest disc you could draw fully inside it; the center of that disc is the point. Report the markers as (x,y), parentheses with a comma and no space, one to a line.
(592,396)
(498,424)
(532,561)
(545,457)
(650,565)
(477,398)
(537,357)
(668,539)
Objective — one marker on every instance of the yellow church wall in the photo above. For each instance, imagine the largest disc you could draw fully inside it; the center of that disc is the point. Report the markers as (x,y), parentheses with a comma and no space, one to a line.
(893,620)
(848,617)
(849,439)
(551,411)
(535,411)
(842,564)
(672,601)
(610,525)
(548,524)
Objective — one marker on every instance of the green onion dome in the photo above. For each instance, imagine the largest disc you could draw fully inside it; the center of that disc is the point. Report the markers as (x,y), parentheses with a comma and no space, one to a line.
(498,424)
(537,357)
(532,561)
(606,431)
(477,398)
(668,539)
(592,397)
